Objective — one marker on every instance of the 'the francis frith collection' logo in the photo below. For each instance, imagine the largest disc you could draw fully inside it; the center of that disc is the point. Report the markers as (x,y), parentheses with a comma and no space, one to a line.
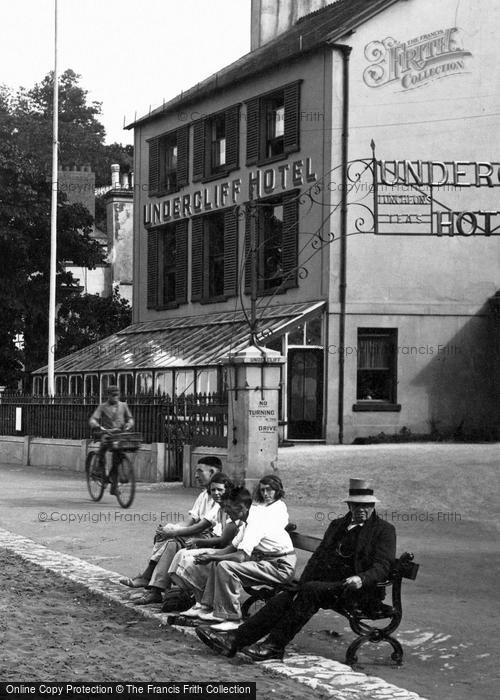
(415,62)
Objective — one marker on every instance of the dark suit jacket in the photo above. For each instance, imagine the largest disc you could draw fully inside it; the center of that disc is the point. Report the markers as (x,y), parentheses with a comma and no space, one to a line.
(374,555)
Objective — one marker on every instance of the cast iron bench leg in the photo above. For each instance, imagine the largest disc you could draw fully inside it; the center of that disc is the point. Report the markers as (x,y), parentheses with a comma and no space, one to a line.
(351,656)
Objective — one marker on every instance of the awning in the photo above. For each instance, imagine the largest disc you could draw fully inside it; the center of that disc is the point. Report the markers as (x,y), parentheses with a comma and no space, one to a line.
(191,341)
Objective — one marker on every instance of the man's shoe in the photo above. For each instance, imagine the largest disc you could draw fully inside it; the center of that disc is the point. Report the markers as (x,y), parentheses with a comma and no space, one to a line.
(221,642)
(264,651)
(149,598)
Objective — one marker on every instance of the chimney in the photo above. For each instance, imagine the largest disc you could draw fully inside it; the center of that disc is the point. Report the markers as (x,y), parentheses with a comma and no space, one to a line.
(115,176)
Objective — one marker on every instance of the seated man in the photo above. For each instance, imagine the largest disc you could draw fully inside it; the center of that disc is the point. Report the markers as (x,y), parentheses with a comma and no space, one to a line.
(111,416)
(355,554)
(262,552)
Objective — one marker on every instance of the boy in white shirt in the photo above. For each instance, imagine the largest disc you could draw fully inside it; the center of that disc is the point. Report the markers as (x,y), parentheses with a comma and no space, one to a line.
(262,552)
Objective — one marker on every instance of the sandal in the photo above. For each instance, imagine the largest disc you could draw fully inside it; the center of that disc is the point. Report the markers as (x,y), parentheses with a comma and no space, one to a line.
(137,582)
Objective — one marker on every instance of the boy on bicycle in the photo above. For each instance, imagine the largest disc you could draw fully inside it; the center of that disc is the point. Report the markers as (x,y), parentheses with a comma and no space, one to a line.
(111,416)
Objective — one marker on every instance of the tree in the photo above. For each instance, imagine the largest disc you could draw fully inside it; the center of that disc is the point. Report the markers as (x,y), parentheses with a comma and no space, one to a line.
(25,196)
(81,134)
(84,319)
(25,171)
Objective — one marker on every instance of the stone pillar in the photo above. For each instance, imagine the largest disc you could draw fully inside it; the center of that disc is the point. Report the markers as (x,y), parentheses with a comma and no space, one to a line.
(254,376)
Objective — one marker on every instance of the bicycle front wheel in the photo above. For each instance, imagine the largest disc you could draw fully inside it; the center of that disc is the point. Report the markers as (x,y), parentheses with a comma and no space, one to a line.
(125,488)
(96,478)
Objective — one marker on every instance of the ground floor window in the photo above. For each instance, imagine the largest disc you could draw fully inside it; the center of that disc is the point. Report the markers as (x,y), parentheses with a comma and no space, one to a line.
(377,365)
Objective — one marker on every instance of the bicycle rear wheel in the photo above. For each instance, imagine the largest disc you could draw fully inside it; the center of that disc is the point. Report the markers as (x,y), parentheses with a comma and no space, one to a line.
(125,488)
(96,478)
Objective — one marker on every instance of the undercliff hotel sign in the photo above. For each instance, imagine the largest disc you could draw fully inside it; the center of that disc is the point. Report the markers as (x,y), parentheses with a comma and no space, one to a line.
(260,183)
(415,62)
(419,197)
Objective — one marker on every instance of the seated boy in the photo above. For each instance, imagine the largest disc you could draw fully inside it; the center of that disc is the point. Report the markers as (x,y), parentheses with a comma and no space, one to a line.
(170,538)
(261,552)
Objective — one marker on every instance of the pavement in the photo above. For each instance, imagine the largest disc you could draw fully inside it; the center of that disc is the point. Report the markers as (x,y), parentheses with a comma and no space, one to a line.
(442,499)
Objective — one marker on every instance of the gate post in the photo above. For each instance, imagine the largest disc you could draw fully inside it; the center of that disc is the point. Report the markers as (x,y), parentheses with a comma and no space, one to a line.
(254,382)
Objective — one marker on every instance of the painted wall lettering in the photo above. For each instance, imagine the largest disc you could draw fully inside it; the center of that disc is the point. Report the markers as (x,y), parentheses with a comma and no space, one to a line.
(415,62)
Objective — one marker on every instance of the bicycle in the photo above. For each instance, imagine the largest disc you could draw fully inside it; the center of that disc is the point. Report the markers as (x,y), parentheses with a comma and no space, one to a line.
(121,475)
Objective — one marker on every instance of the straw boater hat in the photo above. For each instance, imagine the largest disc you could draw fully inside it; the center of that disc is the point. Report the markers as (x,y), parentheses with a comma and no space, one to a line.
(360,492)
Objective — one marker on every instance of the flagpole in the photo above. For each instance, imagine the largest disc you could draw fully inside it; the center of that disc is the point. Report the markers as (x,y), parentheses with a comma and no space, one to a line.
(53,222)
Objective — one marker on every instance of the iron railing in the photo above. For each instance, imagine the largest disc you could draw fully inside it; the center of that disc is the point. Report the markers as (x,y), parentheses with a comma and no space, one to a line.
(198,419)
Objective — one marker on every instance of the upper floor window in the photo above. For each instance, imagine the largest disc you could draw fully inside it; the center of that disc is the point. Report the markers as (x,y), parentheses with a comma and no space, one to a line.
(216,144)
(273,124)
(276,234)
(169,161)
(167,266)
(214,256)
(274,110)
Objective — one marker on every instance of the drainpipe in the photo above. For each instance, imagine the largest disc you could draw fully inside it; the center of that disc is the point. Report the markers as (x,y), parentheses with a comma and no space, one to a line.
(345,52)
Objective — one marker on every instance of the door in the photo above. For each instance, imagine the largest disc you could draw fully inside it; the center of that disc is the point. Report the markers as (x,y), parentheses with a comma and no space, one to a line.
(305,394)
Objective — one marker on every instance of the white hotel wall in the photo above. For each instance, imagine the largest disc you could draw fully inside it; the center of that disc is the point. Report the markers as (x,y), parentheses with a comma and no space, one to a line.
(433,290)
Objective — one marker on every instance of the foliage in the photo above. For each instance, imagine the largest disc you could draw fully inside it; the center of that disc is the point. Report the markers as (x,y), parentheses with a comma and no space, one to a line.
(84,319)
(81,134)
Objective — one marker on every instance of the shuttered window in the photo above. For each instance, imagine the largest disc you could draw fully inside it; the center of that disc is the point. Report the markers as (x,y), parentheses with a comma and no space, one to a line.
(169,162)
(216,144)
(167,266)
(214,262)
(276,222)
(273,124)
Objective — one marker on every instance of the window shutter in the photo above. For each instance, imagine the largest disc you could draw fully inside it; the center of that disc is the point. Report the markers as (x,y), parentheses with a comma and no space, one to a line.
(292,117)
(181,260)
(154,166)
(230,253)
(183,156)
(153,272)
(290,237)
(198,150)
(248,260)
(197,258)
(232,137)
(253,130)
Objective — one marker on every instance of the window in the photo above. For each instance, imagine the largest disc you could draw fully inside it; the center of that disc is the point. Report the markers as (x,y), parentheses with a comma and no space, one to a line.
(377,369)
(61,385)
(164,383)
(214,256)
(276,231)
(216,144)
(169,162)
(91,385)
(274,111)
(107,380)
(37,386)
(184,382)
(167,266)
(75,384)
(126,383)
(206,381)
(144,383)
(273,124)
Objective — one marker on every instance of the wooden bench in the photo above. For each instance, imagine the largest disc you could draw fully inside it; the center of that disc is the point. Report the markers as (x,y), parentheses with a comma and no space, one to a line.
(359,620)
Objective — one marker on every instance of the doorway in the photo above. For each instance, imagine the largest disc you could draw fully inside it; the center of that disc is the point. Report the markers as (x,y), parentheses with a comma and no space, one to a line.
(305,393)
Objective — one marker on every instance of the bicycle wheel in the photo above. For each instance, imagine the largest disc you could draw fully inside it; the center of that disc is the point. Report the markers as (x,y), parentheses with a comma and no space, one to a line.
(125,488)
(96,480)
